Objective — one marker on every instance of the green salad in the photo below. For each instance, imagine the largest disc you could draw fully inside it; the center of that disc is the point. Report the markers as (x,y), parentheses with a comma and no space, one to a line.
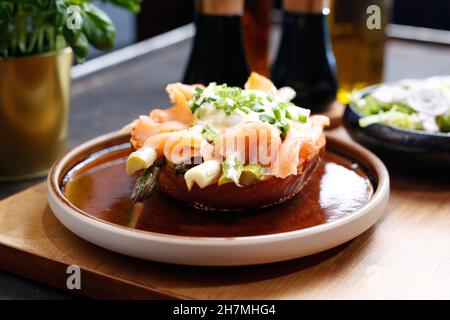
(411,104)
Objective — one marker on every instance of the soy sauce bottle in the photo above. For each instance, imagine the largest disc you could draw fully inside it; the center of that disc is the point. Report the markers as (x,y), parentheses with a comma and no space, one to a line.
(218,53)
(256,29)
(305,59)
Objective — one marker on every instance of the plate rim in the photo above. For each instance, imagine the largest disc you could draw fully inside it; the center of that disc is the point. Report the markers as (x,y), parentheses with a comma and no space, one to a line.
(55,194)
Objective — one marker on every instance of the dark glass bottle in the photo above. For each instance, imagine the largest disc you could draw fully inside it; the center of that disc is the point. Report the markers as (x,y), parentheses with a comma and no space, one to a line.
(305,59)
(218,53)
(256,24)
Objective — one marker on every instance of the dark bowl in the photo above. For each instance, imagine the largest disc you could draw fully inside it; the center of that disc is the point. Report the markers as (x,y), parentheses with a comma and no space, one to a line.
(403,148)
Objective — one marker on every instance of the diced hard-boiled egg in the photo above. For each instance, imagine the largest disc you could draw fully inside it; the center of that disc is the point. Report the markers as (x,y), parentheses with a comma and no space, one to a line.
(204,174)
(141,159)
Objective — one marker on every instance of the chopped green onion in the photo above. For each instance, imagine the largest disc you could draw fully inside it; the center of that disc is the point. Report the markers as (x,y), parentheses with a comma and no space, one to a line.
(266,118)
(198,90)
(284,128)
(288,114)
(245,110)
(258,109)
(201,111)
(302,118)
(209,134)
(194,106)
(282,105)
(277,114)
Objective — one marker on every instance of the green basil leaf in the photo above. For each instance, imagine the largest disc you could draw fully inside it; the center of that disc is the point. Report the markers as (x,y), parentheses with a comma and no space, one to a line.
(80,48)
(98,27)
(131,5)
(60,12)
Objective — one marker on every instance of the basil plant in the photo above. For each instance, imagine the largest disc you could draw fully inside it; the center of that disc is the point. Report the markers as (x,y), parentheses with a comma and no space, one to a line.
(30,27)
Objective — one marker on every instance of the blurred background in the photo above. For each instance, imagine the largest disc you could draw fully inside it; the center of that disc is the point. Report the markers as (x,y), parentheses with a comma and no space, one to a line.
(158,17)
(321,61)
(115,86)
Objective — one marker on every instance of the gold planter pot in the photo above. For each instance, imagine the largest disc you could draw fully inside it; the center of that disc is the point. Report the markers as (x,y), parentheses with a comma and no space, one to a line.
(34,108)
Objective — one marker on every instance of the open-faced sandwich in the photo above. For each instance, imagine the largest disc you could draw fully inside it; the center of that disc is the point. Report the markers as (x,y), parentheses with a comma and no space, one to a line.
(226,148)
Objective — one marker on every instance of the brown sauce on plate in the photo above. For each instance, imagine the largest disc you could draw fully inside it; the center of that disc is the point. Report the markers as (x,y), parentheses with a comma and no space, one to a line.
(102,189)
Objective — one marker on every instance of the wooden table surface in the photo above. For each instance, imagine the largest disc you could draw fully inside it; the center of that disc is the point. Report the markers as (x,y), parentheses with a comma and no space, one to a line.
(105,100)
(406,255)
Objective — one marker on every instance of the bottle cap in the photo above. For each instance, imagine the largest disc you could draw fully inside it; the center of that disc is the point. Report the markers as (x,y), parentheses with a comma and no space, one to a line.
(221,7)
(305,6)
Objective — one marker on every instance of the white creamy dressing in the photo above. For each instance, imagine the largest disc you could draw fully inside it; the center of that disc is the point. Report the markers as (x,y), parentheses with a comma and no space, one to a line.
(217,119)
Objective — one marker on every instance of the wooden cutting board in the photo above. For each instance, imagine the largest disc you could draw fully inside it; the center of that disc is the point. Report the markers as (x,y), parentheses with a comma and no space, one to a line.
(405,255)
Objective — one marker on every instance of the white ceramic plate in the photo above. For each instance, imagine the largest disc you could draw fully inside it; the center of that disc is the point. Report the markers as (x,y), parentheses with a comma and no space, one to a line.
(215,251)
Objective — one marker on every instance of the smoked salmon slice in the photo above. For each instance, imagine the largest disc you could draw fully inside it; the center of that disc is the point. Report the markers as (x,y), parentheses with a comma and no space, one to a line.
(146,127)
(259,82)
(300,146)
(179,94)
(254,142)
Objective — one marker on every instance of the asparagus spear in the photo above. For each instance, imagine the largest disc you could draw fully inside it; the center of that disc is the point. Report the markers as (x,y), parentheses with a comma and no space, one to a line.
(146,183)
